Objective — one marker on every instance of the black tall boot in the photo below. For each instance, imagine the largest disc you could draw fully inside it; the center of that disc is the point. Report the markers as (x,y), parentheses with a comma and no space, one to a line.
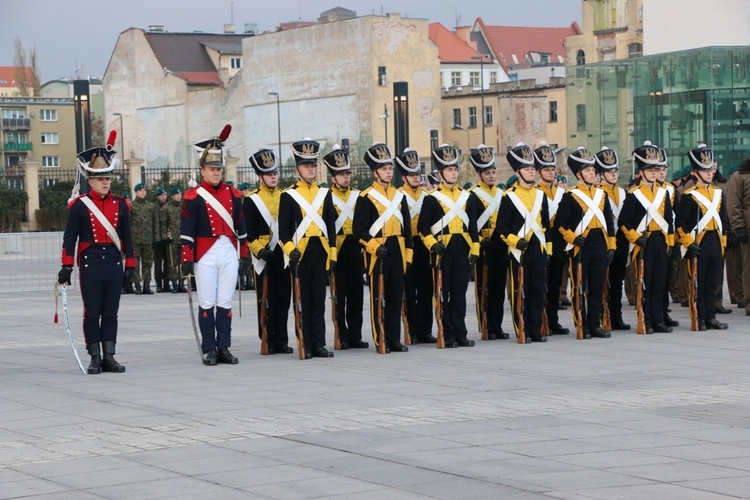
(108,361)
(138,288)
(182,288)
(147,288)
(224,336)
(95,367)
(165,288)
(159,288)
(174,286)
(207,325)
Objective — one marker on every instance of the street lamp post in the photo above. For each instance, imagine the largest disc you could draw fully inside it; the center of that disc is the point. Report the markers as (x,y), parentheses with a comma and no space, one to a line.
(385,117)
(122,135)
(468,139)
(278,122)
(481,83)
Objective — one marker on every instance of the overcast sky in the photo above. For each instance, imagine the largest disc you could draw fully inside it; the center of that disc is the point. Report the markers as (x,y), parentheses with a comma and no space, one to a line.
(83,33)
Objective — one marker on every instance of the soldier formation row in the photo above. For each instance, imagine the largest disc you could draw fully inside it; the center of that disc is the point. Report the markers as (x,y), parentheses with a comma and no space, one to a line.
(418,247)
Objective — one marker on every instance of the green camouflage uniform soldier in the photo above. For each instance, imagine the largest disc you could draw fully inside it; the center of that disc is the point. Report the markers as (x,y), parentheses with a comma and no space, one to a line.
(170,233)
(145,225)
(161,260)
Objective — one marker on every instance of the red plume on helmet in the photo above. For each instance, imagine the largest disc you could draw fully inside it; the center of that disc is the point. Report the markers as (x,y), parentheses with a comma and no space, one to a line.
(225,133)
(111,140)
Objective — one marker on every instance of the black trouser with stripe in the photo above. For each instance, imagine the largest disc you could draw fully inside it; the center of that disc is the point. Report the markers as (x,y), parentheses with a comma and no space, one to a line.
(455,266)
(418,289)
(349,290)
(278,301)
(392,270)
(655,262)
(709,269)
(533,292)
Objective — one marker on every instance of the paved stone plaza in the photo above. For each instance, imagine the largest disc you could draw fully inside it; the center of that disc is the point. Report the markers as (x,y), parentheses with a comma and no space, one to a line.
(637,417)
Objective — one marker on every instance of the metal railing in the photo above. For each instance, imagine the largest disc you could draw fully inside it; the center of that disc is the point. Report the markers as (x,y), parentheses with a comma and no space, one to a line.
(29,261)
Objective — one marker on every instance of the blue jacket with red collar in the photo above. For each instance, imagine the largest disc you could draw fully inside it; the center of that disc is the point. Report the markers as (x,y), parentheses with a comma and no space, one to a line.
(83,226)
(201,225)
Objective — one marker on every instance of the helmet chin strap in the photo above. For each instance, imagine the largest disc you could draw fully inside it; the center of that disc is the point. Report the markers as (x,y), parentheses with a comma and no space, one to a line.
(700,174)
(520,176)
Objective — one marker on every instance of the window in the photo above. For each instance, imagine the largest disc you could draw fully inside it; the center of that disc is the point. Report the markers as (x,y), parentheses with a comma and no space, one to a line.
(235,62)
(472,116)
(474,78)
(493,76)
(456,117)
(553,111)
(488,116)
(14,113)
(455,78)
(580,58)
(50,161)
(382,80)
(635,50)
(50,138)
(48,115)
(580,117)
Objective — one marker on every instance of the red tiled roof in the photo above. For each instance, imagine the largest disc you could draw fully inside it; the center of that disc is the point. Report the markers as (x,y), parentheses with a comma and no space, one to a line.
(8,76)
(451,49)
(504,41)
(185,55)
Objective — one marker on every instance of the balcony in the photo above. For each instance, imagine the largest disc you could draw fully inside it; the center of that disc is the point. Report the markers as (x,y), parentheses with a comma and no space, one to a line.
(9,147)
(16,123)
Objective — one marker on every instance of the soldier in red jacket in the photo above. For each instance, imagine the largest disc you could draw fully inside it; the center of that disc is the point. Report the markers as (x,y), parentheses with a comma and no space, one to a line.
(212,233)
(100,222)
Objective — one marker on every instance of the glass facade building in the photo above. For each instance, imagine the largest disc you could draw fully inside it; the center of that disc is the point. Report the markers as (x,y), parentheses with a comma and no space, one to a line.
(675,100)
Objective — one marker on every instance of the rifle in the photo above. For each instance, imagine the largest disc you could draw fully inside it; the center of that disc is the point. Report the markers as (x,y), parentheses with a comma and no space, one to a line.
(439,298)
(692,268)
(520,298)
(264,315)
(520,295)
(405,320)
(640,284)
(485,297)
(545,319)
(334,311)
(577,290)
(381,305)
(606,317)
(640,296)
(298,306)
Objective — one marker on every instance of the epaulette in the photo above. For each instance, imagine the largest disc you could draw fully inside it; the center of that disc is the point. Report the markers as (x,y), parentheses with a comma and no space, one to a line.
(365,191)
(190,194)
(72,201)
(508,190)
(633,189)
(691,188)
(254,191)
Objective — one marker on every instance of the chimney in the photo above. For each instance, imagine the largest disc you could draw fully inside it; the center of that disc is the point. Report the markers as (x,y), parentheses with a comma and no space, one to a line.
(464,33)
(228,28)
(156,28)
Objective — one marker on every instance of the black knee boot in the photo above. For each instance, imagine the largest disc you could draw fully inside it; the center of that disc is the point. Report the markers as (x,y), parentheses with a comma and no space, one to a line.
(108,361)
(95,367)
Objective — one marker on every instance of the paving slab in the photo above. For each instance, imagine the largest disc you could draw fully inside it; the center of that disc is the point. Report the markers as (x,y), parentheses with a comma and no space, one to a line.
(635,416)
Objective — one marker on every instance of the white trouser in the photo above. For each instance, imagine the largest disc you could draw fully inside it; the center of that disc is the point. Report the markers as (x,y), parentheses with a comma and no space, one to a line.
(216,275)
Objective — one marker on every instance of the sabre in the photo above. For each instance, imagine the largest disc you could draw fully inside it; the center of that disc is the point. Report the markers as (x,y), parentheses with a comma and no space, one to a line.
(64,294)
(192,318)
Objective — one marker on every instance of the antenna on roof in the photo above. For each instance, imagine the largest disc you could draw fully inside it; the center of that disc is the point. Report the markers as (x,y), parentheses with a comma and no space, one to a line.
(231,12)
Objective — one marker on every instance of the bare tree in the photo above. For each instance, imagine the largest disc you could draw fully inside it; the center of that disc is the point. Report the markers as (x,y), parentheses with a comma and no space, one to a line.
(26,72)
(36,80)
(19,62)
